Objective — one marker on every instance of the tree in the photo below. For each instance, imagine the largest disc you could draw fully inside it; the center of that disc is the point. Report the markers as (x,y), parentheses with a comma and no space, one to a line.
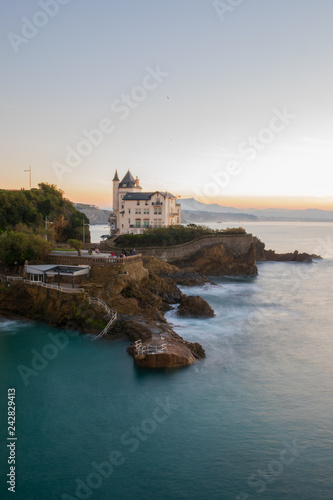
(32,207)
(17,247)
(77,244)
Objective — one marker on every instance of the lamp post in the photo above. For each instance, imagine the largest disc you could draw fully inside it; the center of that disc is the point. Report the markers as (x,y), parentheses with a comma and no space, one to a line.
(46,223)
(29,170)
(84,232)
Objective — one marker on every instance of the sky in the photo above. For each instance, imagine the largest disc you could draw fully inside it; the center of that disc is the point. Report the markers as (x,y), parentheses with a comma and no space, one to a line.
(226,101)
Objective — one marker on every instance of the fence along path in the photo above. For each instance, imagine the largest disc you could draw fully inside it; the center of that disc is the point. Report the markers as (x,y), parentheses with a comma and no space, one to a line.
(40,283)
(110,312)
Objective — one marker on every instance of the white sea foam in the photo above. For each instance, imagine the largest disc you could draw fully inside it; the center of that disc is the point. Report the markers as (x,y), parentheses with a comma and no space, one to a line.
(12,326)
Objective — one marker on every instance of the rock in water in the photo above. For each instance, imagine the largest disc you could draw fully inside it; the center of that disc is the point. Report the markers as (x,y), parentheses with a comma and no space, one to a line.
(194,307)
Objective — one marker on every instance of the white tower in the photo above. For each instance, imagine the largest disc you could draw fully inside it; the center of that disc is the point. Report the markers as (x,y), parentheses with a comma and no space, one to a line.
(116,193)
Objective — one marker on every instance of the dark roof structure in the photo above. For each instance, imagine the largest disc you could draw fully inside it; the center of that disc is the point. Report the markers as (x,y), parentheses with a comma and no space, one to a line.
(52,269)
(138,196)
(166,194)
(116,178)
(128,181)
(146,196)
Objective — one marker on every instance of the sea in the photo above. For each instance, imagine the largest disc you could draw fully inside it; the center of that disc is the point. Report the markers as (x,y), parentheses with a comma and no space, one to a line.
(253,420)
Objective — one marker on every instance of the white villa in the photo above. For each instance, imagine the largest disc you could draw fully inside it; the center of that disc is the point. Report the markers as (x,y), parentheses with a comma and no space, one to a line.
(135,210)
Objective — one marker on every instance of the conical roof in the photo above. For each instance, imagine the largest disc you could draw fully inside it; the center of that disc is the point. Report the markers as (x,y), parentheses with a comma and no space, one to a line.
(116,178)
(128,181)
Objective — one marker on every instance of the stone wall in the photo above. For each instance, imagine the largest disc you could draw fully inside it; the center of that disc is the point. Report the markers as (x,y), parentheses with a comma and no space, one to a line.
(103,269)
(236,244)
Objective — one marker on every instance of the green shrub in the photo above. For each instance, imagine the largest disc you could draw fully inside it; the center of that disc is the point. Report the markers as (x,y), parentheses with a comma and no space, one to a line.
(16,248)
(169,236)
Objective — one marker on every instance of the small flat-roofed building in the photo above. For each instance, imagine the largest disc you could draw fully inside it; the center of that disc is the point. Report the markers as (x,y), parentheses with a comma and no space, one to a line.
(57,274)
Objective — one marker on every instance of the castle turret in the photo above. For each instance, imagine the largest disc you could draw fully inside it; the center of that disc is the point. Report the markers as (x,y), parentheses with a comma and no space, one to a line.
(116,192)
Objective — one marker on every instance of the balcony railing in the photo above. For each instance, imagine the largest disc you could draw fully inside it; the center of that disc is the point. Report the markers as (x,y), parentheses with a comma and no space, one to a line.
(157,203)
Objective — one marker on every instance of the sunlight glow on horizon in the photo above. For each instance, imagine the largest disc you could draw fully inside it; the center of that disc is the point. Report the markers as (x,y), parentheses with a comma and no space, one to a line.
(183,109)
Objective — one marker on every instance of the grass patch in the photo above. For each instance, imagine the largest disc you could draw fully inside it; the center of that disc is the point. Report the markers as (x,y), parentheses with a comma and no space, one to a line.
(64,250)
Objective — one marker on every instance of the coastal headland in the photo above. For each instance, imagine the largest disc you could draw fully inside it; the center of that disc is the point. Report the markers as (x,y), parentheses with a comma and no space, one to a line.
(140,289)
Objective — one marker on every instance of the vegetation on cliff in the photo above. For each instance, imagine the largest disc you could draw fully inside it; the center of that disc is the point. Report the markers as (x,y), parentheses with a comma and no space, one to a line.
(169,236)
(17,247)
(37,208)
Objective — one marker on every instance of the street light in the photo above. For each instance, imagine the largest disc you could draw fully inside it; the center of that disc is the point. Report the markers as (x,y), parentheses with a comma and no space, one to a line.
(46,223)
(29,170)
(83,231)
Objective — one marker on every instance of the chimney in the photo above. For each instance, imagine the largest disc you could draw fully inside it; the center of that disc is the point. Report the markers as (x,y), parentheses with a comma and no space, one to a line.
(137,182)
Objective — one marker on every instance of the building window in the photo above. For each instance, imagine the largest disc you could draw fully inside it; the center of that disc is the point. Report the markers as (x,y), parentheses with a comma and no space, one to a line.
(157,222)
(137,222)
(138,202)
(146,211)
(122,225)
(129,221)
(146,223)
(146,202)
(129,210)
(138,211)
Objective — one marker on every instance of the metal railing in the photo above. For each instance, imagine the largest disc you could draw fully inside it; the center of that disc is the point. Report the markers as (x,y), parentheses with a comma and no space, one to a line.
(54,287)
(96,300)
(97,259)
(142,350)
(3,277)
(110,312)
(108,326)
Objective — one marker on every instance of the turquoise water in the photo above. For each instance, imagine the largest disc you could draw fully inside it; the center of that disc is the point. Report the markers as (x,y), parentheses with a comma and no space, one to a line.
(251,421)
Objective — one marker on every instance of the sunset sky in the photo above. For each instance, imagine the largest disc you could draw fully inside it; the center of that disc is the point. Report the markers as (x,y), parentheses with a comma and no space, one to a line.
(226,103)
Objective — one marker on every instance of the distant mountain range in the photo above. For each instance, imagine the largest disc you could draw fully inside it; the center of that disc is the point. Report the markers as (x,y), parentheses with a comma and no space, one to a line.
(193,210)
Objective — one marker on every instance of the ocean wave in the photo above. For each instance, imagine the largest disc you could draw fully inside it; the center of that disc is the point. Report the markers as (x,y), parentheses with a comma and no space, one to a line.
(12,326)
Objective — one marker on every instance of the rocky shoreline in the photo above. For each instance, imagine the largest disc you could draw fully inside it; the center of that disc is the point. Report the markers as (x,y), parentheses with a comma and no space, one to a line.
(263,255)
(140,299)
(140,304)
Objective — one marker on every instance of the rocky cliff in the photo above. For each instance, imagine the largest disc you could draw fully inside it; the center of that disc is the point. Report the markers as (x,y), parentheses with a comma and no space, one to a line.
(140,304)
(56,308)
(217,260)
(270,255)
